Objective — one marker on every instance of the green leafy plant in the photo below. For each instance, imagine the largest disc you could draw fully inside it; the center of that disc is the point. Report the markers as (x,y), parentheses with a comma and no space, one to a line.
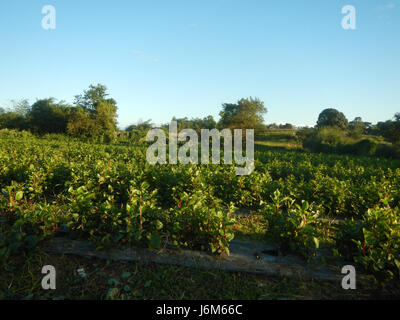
(291,226)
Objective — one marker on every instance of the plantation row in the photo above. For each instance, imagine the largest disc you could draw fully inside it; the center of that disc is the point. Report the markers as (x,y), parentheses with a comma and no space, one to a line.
(110,195)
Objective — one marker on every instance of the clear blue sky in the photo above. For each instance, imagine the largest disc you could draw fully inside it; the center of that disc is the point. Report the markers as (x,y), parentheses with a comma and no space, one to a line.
(185,58)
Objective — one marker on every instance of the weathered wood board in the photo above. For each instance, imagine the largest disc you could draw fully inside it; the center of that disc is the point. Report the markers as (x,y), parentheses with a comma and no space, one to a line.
(245,256)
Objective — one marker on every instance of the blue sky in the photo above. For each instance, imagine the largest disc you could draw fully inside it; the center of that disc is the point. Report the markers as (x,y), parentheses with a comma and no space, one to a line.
(168,58)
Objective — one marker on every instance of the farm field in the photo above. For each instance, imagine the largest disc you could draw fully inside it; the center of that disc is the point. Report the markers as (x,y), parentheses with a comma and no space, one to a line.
(109,194)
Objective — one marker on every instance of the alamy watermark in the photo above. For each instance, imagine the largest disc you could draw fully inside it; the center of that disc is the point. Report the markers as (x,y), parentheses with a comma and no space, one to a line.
(349,20)
(189,152)
(49,280)
(49,20)
(349,280)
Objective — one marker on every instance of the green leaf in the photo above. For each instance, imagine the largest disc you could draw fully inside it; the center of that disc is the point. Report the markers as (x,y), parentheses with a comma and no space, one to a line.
(159,225)
(316,242)
(155,241)
(19,195)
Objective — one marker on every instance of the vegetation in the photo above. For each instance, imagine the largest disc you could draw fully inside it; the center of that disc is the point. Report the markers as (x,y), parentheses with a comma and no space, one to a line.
(245,114)
(68,170)
(332,118)
(93,116)
(109,194)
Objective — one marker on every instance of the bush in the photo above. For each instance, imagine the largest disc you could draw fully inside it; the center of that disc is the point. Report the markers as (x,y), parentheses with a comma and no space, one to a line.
(334,140)
(365,147)
(197,223)
(387,151)
(293,229)
(326,139)
(380,248)
(373,242)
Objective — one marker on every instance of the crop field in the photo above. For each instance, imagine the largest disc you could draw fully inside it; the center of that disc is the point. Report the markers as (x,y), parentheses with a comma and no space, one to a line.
(108,194)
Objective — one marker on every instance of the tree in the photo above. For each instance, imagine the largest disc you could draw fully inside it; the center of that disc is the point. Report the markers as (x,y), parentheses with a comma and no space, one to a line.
(20,107)
(95,114)
(245,114)
(91,98)
(395,135)
(81,123)
(196,124)
(106,120)
(332,118)
(141,125)
(47,116)
(14,117)
(357,126)
(137,132)
(390,129)
(286,126)
(273,126)
(12,120)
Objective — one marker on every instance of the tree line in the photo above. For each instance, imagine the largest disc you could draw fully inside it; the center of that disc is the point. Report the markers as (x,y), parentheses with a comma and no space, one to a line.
(93,114)
(389,129)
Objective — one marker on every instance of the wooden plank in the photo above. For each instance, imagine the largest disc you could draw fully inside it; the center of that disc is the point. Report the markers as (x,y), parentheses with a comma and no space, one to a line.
(245,256)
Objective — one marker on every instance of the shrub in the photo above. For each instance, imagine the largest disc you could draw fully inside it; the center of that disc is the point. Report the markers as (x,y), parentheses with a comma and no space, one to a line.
(373,242)
(197,223)
(293,229)
(325,139)
(387,151)
(364,147)
(379,252)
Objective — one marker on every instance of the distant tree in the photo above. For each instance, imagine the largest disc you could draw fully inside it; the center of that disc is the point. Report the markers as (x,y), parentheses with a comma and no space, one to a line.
(286,126)
(20,107)
(245,114)
(196,124)
(395,134)
(47,116)
(141,125)
(81,123)
(357,126)
(273,126)
(137,132)
(390,129)
(207,122)
(106,120)
(12,120)
(332,118)
(14,116)
(183,123)
(95,114)
(91,98)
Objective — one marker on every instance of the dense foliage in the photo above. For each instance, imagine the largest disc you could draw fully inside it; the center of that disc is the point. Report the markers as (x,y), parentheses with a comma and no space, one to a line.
(109,194)
(92,116)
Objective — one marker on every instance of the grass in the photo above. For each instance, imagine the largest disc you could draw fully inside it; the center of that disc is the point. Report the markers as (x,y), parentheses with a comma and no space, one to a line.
(21,278)
(129,280)
(280,144)
(279,138)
